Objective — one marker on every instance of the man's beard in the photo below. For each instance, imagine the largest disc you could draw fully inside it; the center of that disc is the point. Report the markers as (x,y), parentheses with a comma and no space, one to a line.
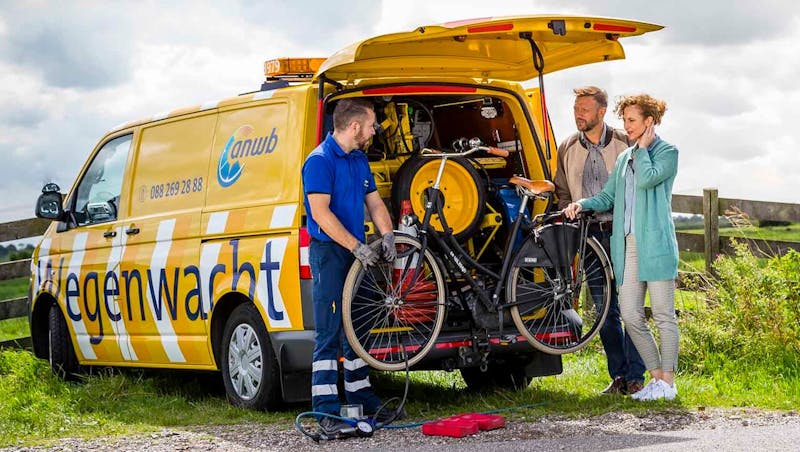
(588,125)
(361,141)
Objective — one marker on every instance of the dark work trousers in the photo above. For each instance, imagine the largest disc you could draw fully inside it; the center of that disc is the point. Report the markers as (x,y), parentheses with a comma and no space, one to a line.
(622,356)
(329,266)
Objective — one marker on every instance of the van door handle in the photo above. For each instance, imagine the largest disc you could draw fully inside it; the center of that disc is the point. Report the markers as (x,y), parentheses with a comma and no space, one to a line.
(132,231)
(109,234)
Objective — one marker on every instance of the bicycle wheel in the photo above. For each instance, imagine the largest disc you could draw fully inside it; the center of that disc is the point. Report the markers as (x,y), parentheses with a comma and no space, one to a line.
(561,310)
(391,312)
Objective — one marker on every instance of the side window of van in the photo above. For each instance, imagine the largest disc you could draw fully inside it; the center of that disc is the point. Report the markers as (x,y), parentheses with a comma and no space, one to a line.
(98,193)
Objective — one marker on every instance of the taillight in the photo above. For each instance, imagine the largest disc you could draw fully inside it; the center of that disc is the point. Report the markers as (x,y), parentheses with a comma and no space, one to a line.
(305,267)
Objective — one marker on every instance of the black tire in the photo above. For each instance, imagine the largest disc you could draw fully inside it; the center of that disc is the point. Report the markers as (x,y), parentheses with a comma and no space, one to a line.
(509,377)
(256,383)
(554,320)
(462,187)
(391,314)
(61,352)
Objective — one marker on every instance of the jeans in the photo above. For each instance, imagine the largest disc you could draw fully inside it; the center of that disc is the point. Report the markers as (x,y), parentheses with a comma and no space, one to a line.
(622,357)
(329,266)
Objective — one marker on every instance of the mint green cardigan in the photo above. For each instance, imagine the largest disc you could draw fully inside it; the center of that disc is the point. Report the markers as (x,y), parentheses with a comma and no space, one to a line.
(655,169)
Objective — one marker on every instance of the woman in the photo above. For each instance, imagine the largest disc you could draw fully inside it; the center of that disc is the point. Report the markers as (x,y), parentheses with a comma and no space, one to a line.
(644,251)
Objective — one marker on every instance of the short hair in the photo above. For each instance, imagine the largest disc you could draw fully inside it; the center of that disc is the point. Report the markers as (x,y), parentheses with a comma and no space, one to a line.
(599,94)
(650,106)
(349,110)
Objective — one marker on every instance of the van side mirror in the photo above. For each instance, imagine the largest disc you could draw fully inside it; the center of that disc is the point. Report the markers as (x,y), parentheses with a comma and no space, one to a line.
(49,203)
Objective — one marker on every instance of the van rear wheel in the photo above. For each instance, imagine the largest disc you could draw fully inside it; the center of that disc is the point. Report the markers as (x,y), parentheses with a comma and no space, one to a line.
(61,352)
(249,366)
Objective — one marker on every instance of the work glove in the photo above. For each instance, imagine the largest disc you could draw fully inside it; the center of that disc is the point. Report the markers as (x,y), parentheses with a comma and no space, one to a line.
(365,254)
(387,247)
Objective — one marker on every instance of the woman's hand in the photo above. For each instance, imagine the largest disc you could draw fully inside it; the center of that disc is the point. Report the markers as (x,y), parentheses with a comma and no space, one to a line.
(572,210)
(647,137)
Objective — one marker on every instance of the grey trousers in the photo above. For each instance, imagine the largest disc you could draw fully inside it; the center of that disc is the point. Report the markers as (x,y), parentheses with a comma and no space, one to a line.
(662,302)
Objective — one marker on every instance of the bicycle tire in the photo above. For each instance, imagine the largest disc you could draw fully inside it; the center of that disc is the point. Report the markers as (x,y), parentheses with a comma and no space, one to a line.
(386,311)
(543,321)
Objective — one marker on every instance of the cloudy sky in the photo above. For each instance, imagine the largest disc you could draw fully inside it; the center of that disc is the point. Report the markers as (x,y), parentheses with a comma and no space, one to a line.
(70,71)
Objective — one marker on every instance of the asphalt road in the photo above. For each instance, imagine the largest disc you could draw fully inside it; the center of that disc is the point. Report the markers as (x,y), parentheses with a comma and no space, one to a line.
(693,429)
(754,438)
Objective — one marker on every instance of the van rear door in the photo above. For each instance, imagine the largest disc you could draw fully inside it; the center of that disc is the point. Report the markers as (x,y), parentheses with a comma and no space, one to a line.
(496,48)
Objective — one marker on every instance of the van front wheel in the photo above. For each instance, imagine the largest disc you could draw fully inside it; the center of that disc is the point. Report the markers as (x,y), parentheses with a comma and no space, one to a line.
(60,350)
(249,366)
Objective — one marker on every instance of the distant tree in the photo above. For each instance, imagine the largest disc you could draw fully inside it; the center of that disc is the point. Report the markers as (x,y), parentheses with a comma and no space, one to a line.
(20,254)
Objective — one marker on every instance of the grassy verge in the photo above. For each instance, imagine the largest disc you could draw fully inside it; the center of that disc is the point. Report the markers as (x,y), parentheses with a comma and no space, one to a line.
(38,408)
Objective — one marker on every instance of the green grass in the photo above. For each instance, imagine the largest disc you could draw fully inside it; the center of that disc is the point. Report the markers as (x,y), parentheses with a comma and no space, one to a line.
(14,288)
(789,233)
(13,328)
(691,261)
(38,408)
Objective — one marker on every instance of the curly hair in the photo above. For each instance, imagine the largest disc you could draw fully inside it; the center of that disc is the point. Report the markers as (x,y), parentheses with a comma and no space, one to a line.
(650,106)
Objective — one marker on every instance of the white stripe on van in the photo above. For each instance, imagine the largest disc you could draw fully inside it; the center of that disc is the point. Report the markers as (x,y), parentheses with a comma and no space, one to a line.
(282,216)
(158,263)
(159,115)
(277,250)
(123,338)
(75,263)
(209,256)
(216,223)
(41,266)
(261,95)
(209,105)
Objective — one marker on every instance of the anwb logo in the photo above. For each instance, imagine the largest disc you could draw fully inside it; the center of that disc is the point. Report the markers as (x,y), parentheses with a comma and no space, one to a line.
(239,147)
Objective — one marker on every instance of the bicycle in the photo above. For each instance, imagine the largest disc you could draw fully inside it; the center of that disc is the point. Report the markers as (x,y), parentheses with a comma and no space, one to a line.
(556,283)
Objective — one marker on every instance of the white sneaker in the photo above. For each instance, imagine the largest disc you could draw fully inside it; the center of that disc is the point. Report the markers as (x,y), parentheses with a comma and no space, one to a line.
(644,393)
(670,392)
(659,390)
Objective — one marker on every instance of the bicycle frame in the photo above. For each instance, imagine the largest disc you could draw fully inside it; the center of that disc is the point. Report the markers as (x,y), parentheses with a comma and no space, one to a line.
(459,258)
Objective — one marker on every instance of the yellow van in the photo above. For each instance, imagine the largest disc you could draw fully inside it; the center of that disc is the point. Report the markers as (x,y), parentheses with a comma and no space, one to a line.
(182,243)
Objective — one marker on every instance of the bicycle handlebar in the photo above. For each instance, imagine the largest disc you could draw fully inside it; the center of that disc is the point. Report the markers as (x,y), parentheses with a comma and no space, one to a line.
(428,152)
(545,217)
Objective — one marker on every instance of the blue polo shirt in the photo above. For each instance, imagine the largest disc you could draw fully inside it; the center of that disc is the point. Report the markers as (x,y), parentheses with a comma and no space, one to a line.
(346,177)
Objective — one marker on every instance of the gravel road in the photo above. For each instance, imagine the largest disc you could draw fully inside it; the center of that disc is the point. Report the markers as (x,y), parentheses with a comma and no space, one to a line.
(698,430)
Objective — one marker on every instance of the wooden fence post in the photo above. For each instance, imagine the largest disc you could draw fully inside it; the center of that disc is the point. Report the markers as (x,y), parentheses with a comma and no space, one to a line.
(711,226)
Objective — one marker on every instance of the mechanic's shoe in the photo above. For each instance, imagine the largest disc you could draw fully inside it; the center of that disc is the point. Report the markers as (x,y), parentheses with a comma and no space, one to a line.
(616,387)
(388,415)
(335,429)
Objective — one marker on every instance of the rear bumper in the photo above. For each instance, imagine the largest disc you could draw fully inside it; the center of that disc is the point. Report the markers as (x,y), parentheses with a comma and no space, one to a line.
(453,350)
